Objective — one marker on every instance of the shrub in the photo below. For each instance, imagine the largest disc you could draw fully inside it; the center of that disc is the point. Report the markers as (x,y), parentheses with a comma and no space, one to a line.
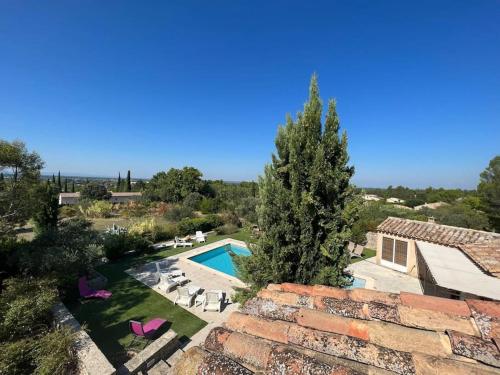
(17,357)
(226,229)
(25,307)
(151,230)
(207,223)
(55,353)
(192,201)
(116,245)
(231,218)
(98,209)
(209,205)
(64,254)
(68,211)
(176,213)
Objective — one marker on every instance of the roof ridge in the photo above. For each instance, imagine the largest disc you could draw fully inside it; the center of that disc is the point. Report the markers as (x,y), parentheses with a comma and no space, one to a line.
(494,234)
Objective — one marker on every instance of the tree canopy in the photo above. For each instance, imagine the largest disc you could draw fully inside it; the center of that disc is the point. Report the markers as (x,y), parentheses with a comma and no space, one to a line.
(94,191)
(174,185)
(307,203)
(16,198)
(489,191)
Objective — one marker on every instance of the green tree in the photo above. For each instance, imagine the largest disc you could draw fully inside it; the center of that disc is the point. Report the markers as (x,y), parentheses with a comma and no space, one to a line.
(489,191)
(129,183)
(307,204)
(65,185)
(72,186)
(59,185)
(174,185)
(2,182)
(47,209)
(53,179)
(16,199)
(119,183)
(94,191)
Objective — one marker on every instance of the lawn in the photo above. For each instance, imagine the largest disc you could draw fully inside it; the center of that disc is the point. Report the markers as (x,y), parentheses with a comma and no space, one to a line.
(107,321)
(367,253)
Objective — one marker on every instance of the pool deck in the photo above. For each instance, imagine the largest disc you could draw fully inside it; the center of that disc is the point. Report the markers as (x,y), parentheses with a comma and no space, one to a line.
(199,275)
(383,278)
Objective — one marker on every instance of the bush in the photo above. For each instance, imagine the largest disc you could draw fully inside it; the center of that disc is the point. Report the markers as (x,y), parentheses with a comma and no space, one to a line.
(68,211)
(192,201)
(116,245)
(65,253)
(25,307)
(226,229)
(176,213)
(205,224)
(98,209)
(151,230)
(16,357)
(230,217)
(209,205)
(55,353)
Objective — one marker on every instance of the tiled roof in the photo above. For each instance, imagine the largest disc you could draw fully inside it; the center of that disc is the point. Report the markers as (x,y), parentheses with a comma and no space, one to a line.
(486,255)
(296,329)
(436,233)
(125,193)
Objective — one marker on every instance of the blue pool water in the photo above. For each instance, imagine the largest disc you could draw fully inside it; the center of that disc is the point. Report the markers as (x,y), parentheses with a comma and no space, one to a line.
(357,283)
(219,258)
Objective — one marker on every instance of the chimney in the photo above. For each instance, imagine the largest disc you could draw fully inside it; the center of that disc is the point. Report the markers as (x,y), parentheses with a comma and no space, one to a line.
(431,219)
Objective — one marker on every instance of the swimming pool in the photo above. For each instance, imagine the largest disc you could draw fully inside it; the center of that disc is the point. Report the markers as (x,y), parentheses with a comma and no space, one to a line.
(357,283)
(219,258)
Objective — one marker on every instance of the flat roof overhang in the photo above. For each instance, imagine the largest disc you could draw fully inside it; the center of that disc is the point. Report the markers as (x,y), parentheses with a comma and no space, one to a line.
(452,269)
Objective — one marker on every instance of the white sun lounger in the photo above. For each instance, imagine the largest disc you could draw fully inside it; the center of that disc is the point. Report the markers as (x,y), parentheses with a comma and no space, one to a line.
(182,243)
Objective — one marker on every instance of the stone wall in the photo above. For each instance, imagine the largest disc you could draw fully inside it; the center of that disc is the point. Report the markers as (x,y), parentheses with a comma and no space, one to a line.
(371,240)
(91,360)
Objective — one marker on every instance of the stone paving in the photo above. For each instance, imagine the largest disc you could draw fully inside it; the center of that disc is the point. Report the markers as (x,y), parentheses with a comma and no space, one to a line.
(383,278)
(199,275)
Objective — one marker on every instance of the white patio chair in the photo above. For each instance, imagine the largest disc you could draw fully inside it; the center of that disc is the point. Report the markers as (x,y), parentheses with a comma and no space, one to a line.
(184,298)
(200,237)
(213,301)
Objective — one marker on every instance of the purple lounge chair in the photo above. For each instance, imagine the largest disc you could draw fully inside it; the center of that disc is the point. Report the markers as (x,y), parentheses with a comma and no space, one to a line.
(86,292)
(145,331)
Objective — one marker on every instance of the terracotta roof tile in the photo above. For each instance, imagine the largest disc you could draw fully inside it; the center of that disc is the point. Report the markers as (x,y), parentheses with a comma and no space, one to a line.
(486,255)
(296,329)
(475,348)
(450,306)
(436,233)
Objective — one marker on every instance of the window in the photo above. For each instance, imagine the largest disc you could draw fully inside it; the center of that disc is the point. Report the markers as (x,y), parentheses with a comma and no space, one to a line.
(387,248)
(394,253)
(400,251)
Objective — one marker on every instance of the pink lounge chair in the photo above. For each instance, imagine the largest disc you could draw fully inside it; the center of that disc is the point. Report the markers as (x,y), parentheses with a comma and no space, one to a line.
(145,331)
(86,292)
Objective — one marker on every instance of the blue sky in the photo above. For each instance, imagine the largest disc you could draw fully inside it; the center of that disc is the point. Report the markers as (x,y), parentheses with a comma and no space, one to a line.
(98,87)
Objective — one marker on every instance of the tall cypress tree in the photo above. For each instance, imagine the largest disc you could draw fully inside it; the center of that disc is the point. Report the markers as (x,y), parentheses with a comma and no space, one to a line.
(129,184)
(2,182)
(59,185)
(53,179)
(73,186)
(65,185)
(119,183)
(307,204)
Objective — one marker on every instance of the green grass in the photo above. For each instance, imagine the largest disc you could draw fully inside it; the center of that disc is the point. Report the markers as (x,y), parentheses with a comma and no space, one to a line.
(107,321)
(367,253)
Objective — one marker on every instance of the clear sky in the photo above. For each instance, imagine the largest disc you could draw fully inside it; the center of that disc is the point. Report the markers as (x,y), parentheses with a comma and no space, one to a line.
(98,87)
